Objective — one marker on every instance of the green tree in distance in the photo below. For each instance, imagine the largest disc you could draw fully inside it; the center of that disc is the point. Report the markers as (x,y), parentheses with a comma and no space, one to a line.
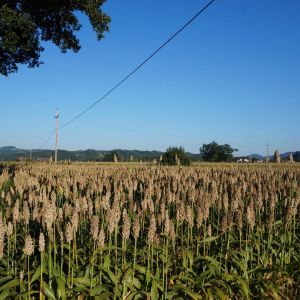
(109,156)
(25,23)
(217,153)
(174,156)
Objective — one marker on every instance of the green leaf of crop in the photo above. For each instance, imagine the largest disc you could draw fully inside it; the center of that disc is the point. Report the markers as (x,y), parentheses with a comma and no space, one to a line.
(56,272)
(6,278)
(82,280)
(136,295)
(190,256)
(81,289)
(98,290)
(104,296)
(187,291)
(244,287)
(36,275)
(203,276)
(10,284)
(133,281)
(87,271)
(107,261)
(221,294)
(209,239)
(154,291)
(111,275)
(4,294)
(61,287)
(26,294)
(140,269)
(48,291)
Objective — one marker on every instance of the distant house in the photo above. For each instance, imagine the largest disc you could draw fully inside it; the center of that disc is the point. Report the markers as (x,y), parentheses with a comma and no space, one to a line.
(243,160)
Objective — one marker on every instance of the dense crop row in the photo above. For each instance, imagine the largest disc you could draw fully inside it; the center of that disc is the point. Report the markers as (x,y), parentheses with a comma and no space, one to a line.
(218,232)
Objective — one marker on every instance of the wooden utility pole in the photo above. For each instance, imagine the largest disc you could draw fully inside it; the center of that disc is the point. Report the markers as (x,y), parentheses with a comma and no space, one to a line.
(56,139)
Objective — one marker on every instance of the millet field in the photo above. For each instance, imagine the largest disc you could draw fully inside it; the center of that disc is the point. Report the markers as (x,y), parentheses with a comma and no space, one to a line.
(117,231)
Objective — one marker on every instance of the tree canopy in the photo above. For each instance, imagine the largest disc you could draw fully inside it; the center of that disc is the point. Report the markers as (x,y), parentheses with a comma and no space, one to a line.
(217,153)
(176,156)
(25,23)
(110,156)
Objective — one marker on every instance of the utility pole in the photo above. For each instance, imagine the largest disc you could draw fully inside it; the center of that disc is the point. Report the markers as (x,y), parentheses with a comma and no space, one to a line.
(267,158)
(56,139)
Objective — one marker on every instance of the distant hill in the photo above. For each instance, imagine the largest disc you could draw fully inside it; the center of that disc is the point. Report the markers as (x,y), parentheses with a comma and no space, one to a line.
(11,153)
(256,156)
(8,148)
(286,155)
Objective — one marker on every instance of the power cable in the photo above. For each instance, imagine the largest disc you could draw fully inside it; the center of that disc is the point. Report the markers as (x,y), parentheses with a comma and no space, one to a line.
(138,67)
(134,70)
(47,140)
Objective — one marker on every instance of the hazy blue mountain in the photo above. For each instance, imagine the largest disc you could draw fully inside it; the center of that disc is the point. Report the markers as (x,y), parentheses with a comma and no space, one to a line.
(286,155)
(11,153)
(256,156)
(8,148)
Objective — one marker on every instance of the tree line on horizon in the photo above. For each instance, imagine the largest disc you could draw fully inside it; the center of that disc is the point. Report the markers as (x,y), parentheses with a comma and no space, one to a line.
(212,152)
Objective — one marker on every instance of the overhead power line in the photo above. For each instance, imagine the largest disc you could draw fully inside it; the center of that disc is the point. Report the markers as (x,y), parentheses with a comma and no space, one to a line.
(134,70)
(47,140)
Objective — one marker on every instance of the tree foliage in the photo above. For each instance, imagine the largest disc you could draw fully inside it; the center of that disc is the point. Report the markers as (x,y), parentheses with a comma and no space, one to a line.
(216,153)
(174,156)
(24,24)
(109,156)
(297,156)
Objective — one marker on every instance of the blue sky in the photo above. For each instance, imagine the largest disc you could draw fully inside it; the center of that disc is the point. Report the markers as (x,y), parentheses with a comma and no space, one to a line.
(232,76)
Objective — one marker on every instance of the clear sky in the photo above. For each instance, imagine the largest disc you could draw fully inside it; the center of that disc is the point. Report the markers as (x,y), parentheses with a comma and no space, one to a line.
(233,76)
